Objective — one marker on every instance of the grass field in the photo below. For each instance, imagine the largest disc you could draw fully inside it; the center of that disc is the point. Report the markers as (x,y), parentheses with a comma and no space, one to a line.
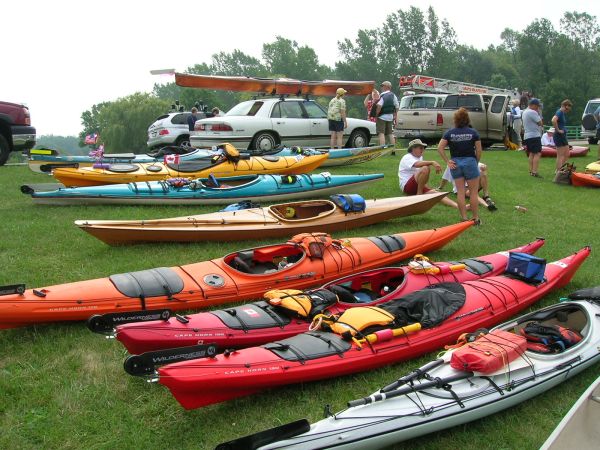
(63,387)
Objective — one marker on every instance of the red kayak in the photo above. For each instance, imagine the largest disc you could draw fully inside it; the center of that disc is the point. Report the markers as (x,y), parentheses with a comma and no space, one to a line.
(574,151)
(306,260)
(585,179)
(261,322)
(320,354)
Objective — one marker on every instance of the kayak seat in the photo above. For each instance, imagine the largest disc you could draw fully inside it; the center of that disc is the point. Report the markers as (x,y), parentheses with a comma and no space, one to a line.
(245,262)
(344,294)
(252,316)
(307,346)
(161,281)
(122,168)
(192,166)
(475,266)
(389,243)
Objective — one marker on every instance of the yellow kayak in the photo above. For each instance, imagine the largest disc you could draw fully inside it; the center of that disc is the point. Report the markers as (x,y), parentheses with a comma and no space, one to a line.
(229,163)
(593,167)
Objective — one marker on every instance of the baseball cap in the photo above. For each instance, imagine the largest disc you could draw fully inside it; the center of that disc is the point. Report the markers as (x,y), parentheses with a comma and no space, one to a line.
(535,101)
(340,91)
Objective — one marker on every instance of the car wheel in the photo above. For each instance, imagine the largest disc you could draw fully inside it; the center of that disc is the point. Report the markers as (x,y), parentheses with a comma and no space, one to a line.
(264,141)
(358,138)
(183,141)
(4,150)
(592,141)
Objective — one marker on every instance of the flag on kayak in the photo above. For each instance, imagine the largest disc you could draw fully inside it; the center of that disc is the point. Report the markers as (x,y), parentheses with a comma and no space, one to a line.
(91,139)
(97,153)
(171,159)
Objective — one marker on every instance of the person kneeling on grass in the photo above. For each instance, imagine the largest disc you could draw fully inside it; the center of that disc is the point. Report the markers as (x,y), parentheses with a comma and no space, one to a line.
(486,200)
(414,172)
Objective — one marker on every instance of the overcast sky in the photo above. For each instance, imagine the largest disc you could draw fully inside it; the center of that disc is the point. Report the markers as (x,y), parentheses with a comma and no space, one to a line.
(61,57)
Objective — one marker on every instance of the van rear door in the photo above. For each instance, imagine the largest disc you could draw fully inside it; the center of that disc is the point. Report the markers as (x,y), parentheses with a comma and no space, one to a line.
(496,118)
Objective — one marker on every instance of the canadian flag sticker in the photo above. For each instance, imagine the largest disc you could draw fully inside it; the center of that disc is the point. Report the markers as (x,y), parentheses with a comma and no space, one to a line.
(171,159)
(251,312)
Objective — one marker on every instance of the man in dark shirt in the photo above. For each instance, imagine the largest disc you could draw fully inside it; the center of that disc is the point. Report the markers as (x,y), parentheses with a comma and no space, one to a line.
(192,118)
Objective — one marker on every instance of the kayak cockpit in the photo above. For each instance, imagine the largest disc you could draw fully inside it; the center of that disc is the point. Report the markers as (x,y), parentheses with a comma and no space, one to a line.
(265,260)
(302,211)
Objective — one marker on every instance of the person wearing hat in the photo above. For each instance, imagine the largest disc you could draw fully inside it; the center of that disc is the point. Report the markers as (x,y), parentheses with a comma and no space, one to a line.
(336,114)
(548,138)
(516,122)
(387,111)
(532,124)
(414,172)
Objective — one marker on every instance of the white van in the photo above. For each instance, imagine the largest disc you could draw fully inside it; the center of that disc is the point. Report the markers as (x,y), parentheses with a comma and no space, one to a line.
(588,121)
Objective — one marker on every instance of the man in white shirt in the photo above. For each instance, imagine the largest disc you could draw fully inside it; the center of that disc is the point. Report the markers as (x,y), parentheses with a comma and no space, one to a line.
(414,172)
(548,138)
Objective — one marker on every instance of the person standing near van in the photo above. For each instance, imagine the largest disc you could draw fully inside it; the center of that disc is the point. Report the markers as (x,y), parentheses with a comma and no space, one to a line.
(191,120)
(387,114)
(559,120)
(532,123)
(515,113)
(370,103)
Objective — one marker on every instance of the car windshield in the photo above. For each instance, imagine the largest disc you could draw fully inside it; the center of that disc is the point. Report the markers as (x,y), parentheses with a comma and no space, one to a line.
(245,109)
(591,107)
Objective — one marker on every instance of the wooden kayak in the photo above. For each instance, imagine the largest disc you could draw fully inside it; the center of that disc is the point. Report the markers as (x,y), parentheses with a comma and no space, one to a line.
(454,309)
(284,219)
(200,168)
(261,322)
(312,259)
(178,191)
(580,424)
(437,396)
(273,86)
(585,179)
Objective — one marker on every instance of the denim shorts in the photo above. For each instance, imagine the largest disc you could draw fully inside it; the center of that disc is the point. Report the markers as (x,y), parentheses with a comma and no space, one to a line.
(466,167)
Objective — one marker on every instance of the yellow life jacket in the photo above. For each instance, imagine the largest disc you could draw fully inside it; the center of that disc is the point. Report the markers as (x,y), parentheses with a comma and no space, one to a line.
(290,299)
(355,320)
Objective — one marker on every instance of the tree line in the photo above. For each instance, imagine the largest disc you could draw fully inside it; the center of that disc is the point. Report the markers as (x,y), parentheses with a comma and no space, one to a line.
(552,64)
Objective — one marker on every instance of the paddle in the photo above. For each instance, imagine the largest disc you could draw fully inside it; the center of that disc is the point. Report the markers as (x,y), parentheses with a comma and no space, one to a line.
(436,383)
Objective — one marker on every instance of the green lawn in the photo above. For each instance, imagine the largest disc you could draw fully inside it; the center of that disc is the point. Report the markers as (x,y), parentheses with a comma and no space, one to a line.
(63,387)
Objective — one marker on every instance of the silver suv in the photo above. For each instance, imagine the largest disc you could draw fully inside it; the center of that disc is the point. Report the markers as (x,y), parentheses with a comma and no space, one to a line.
(588,121)
(171,129)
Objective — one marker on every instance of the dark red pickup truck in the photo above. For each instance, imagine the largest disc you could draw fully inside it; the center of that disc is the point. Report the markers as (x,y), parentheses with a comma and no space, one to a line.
(16,132)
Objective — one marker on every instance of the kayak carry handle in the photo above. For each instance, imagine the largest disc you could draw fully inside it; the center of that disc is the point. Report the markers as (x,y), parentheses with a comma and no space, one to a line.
(12,289)
(146,363)
(105,323)
(435,383)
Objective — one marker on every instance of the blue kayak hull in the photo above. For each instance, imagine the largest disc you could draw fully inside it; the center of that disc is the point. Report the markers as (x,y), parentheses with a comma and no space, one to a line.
(267,188)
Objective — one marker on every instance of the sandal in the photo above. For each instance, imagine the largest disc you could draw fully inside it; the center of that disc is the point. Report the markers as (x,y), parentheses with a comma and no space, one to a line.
(535,174)
(477,222)
(490,203)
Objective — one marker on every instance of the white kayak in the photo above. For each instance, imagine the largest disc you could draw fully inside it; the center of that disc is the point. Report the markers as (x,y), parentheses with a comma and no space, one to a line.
(444,397)
(580,425)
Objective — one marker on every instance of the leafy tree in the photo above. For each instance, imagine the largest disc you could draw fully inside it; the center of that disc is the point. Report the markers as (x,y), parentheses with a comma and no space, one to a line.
(286,58)
(122,124)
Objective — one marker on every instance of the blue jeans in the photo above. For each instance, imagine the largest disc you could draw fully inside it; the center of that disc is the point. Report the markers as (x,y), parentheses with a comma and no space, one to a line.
(466,167)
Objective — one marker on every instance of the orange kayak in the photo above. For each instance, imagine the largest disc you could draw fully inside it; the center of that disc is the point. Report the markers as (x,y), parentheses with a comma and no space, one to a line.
(273,86)
(585,179)
(100,174)
(304,261)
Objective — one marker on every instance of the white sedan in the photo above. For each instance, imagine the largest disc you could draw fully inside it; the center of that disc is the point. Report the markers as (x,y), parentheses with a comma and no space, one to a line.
(264,123)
